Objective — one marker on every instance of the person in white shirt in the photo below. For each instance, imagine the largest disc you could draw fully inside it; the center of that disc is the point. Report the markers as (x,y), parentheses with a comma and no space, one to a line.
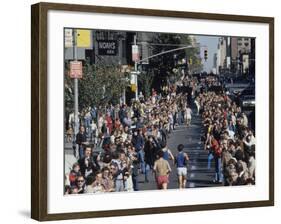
(94,133)
(249,140)
(100,122)
(244,120)
(196,101)
(187,115)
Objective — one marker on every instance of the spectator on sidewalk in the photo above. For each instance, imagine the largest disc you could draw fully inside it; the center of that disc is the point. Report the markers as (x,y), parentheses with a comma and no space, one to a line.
(81,139)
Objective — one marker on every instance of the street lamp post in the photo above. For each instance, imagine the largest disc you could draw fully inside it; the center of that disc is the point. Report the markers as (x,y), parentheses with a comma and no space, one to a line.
(136,69)
(76,120)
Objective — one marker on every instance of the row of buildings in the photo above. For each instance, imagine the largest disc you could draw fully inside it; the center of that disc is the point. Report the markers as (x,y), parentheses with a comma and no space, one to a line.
(235,55)
(107,47)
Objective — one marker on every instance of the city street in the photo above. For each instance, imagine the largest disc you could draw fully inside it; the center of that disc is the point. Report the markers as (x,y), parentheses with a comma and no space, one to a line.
(198,175)
(124,91)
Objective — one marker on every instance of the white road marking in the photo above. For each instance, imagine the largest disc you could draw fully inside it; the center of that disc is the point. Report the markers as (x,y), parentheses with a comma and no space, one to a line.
(191,185)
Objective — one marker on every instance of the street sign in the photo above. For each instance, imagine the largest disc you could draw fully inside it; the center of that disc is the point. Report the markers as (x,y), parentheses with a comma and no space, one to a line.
(76,69)
(68,38)
(135,53)
(107,47)
(83,38)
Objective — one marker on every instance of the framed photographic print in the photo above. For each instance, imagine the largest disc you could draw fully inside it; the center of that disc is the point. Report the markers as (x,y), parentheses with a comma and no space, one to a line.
(139,111)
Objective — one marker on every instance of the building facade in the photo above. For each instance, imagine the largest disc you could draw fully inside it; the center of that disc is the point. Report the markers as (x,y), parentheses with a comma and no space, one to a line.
(235,55)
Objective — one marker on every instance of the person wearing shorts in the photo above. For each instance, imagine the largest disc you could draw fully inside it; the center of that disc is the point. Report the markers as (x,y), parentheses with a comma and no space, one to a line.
(162,170)
(181,160)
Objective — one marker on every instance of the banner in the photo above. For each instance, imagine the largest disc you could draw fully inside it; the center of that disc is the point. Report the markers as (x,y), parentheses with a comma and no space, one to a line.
(135,53)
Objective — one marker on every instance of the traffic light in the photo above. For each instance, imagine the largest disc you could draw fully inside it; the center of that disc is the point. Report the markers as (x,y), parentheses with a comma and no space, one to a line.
(190,61)
(205,55)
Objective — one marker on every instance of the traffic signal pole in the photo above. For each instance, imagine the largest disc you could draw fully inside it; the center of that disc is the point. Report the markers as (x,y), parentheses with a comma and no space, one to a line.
(165,52)
(153,56)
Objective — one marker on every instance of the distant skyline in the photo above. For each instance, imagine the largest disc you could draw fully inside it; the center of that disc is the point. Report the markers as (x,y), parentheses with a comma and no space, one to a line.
(211,42)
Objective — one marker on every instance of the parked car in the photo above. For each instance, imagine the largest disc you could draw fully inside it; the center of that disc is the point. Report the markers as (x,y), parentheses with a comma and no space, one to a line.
(247,98)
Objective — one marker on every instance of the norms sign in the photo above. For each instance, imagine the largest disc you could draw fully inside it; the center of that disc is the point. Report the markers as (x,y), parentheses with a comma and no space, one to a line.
(107,47)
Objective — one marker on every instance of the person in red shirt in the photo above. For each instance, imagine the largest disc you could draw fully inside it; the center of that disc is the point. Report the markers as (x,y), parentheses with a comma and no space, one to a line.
(74,173)
(217,151)
(117,123)
(109,122)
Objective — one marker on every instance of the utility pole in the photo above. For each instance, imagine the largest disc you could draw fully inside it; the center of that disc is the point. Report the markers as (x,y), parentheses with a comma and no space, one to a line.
(228,54)
(75,57)
(136,69)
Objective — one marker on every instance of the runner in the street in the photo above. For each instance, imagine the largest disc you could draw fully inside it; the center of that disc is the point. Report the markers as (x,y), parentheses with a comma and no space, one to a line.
(162,170)
(181,163)
(167,152)
(187,115)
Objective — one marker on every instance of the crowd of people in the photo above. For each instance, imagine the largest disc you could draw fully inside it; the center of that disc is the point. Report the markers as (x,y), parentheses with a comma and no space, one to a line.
(115,146)
(228,137)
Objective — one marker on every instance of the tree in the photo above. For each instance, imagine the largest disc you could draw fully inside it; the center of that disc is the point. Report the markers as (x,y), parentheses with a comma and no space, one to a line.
(100,85)
(68,92)
(145,80)
(167,63)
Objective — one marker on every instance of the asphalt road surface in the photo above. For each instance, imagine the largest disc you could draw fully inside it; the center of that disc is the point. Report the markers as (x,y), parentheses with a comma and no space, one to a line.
(198,174)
